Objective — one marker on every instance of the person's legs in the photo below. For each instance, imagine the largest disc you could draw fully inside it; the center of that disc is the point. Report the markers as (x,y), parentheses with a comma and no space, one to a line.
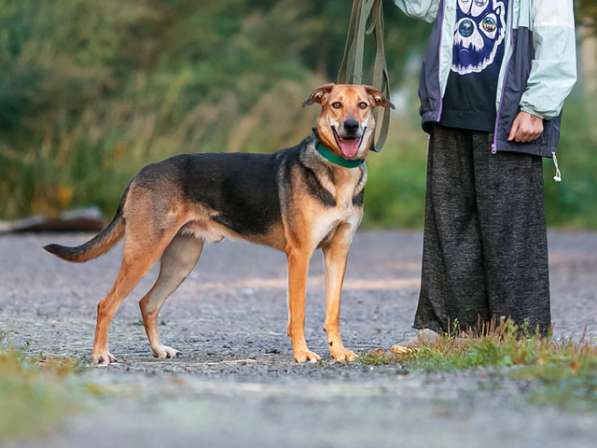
(510,206)
(452,280)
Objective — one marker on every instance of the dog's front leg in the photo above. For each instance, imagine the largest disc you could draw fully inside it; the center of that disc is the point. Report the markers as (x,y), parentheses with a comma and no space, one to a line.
(335,259)
(298,269)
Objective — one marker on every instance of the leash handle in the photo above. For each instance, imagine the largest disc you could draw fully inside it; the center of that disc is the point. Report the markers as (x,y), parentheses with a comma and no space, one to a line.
(351,67)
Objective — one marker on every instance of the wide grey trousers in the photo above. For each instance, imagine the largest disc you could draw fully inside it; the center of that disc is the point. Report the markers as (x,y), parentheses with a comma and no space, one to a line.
(485,241)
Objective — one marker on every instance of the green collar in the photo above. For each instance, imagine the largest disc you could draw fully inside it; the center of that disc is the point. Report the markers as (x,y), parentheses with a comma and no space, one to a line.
(331,156)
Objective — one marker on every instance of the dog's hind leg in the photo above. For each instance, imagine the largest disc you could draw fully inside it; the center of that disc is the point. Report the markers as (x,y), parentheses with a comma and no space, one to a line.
(177,262)
(140,253)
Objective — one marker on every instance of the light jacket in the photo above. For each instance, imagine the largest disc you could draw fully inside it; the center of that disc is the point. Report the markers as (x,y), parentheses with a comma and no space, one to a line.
(537,73)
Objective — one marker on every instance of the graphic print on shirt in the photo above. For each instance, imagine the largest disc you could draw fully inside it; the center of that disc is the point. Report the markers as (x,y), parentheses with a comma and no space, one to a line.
(479,32)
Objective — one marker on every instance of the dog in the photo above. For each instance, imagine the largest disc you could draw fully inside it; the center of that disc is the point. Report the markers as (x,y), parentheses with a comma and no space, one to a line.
(296,200)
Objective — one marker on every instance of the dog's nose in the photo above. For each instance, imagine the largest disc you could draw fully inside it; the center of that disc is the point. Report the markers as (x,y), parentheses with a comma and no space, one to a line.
(351,125)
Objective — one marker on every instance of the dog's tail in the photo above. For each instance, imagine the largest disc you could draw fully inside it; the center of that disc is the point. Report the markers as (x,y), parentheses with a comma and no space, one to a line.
(98,245)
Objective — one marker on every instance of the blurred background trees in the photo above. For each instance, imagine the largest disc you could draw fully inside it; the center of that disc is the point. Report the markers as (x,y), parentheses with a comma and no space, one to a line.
(92,91)
(586,11)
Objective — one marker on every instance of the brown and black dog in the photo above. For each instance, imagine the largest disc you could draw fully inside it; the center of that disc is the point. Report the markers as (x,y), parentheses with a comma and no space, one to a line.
(296,200)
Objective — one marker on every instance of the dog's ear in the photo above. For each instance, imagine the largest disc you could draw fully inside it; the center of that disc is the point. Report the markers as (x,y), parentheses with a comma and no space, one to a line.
(378,98)
(318,95)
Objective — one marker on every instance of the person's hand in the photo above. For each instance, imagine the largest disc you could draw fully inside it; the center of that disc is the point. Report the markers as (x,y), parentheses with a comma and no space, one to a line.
(526,128)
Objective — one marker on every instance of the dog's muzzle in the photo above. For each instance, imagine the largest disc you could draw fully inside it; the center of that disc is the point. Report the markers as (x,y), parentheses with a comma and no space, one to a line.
(350,137)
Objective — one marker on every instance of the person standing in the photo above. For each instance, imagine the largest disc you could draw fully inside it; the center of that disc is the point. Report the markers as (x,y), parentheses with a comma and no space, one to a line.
(493,83)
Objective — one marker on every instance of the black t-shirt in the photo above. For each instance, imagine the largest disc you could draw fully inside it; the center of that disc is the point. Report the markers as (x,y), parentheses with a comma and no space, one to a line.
(478,51)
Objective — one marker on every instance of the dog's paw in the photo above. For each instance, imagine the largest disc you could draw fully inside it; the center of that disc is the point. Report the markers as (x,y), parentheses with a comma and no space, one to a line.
(103,358)
(306,355)
(343,355)
(163,352)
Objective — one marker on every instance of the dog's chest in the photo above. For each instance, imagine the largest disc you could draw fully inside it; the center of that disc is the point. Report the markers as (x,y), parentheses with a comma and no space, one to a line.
(346,187)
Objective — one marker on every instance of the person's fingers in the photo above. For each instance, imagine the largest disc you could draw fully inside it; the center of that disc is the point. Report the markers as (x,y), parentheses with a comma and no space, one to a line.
(533,135)
(528,136)
(514,130)
(523,136)
(524,131)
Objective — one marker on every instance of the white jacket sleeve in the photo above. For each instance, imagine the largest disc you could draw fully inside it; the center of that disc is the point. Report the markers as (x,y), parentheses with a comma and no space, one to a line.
(553,69)
(419,9)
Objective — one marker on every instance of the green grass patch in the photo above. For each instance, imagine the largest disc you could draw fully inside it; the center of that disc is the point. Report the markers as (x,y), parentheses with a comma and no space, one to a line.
(39,393)
(571,386)
(565,372)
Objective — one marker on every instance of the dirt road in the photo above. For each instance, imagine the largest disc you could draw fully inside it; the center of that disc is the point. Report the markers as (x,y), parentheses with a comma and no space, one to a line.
(236,385)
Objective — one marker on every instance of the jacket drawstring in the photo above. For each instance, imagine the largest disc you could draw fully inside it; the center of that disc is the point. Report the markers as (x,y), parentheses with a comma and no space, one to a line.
(558,176)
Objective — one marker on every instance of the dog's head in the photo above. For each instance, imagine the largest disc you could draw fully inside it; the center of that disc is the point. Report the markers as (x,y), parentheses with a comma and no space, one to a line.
(346,124)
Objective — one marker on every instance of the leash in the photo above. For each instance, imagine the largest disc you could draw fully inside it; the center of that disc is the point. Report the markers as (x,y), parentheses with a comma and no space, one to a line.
(351,67)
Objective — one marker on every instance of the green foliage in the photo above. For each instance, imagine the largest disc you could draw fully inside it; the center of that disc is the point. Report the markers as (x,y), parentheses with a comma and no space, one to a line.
(572,203)
(92,91)
(569,386)
(586,13)
(395,191)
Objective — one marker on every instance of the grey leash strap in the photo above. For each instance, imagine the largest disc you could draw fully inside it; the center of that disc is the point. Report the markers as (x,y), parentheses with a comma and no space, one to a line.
(351,68)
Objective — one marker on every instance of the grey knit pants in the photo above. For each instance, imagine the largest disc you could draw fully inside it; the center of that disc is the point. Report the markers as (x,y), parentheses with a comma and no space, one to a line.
(485,242)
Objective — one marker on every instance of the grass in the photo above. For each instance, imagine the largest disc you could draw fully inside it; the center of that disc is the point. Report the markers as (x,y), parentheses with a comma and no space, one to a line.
(564,371)
(39,394)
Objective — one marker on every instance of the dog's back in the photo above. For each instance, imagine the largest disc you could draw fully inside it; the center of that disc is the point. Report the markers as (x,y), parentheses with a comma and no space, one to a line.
(242,189)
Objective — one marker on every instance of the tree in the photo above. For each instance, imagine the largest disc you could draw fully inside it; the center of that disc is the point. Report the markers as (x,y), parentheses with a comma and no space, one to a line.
(586,13)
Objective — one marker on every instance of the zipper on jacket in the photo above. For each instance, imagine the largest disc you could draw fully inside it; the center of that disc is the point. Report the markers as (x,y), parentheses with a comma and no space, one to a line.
(441,37)
(506,68)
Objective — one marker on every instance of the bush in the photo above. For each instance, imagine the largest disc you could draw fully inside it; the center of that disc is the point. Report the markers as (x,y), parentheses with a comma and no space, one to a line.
(92,91)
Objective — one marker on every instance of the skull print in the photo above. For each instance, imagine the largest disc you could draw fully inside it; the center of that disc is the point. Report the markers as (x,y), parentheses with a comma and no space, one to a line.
(479,32)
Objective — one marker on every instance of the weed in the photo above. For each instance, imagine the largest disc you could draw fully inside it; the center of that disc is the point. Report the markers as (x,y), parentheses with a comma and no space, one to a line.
(566,371)
(39,393)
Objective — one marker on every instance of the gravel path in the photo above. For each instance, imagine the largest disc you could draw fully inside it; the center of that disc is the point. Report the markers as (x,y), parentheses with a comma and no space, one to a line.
(235,384)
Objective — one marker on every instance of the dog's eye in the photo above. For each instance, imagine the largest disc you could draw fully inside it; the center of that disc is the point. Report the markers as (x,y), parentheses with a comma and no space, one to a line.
(336,104)
(363,105)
